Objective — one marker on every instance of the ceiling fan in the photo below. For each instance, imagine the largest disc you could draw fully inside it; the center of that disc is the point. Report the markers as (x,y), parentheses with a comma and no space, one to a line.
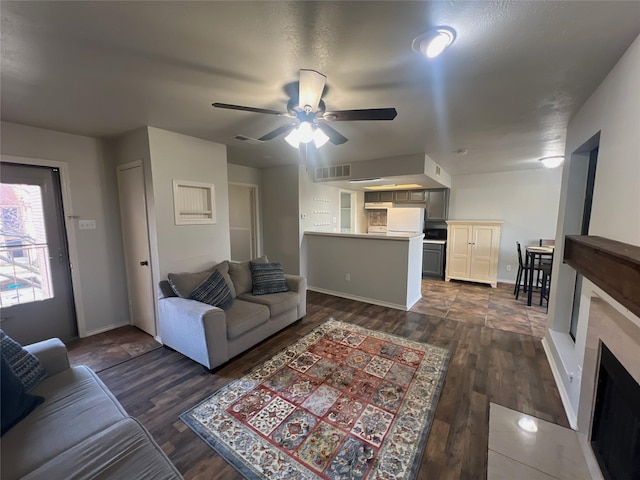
(310,115)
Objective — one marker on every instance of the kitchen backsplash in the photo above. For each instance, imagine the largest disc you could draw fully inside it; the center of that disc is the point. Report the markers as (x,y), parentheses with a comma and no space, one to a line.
(377,218)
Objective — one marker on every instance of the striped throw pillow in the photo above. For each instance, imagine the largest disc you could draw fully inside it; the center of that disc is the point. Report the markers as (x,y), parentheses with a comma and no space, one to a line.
(214,291)
(267,278)
(26,366)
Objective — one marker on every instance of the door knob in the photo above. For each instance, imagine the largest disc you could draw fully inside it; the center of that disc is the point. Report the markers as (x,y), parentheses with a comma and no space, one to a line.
(144,264)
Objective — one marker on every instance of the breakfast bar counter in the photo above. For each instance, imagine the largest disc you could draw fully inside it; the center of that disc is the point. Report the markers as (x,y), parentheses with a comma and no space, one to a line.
(383,269)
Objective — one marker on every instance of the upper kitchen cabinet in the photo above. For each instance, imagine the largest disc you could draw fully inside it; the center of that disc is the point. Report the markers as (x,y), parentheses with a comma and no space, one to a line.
(437,204)
(409,196)
(379,197)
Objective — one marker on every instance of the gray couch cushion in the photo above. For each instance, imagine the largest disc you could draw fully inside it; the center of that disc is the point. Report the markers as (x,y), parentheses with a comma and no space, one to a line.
(240,274)
(243,316)
(77,405)
(124,450)
(276,302)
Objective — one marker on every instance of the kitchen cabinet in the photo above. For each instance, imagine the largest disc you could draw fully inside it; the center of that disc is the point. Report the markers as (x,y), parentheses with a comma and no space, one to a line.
(379,196)
(409,196)
(433,260)
(473,251)
(437,201)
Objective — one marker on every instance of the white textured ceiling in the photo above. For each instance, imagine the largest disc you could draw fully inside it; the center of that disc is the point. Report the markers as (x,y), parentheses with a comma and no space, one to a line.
(504,91)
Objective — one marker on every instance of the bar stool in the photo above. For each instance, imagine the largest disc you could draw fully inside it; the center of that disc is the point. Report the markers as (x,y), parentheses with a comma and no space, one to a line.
(523,270)
(545,287)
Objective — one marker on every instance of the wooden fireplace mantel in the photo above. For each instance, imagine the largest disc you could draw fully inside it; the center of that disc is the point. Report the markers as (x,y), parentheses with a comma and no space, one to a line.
(613,266)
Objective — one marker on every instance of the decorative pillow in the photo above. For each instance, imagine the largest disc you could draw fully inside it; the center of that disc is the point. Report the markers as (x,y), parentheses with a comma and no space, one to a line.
(16,403)
(214,291)
(27,367)
(184,283)
(240,274)
(268,278)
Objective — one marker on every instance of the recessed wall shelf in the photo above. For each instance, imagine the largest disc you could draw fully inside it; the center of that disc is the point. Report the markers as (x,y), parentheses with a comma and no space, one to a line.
(194,203)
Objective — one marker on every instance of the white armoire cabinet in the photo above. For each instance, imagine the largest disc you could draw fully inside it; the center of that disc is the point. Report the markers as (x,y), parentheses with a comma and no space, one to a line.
(472,251)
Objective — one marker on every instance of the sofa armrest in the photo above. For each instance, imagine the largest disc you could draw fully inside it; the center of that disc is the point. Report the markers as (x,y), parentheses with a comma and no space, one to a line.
(298,284)
(52,354)
(195,329)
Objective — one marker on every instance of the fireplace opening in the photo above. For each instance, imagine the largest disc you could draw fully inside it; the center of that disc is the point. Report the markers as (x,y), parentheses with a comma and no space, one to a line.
(615,432)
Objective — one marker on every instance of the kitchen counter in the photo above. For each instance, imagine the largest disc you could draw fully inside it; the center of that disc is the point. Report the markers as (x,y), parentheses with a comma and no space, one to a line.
(379,268)
(373,235)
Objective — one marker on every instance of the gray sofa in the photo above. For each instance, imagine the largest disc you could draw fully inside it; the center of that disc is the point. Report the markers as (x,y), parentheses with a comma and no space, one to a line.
(211,336)
(79,431)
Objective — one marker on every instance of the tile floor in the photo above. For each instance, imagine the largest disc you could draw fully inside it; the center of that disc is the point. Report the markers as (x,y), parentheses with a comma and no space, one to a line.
(110,348)
(553,452)
(480,304)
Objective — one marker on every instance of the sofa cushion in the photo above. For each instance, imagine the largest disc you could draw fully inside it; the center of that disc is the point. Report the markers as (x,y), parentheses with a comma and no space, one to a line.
(16,402)
(240,274)
(124,450)
(26,366)
(185,282)
(276,302)
(267,278)
(214,291)
(243,316)
(77,405)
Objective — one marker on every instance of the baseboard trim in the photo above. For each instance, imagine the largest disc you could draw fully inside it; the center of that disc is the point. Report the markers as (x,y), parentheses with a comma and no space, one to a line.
(104,329)
(357,298)
(564,395)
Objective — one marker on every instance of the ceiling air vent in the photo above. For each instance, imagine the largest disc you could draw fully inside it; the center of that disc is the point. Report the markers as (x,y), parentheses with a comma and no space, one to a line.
(438,170)
(333,172)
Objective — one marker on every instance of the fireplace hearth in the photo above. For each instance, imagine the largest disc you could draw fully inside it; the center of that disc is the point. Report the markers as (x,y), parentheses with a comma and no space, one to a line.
(615,433)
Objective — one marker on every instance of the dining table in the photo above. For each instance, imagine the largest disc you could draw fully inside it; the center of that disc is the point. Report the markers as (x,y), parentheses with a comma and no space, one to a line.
(532,253)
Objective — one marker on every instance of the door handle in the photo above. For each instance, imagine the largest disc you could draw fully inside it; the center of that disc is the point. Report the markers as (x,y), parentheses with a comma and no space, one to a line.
(144,263)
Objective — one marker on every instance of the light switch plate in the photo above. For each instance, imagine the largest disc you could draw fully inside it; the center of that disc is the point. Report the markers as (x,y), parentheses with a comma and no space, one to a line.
(87,224)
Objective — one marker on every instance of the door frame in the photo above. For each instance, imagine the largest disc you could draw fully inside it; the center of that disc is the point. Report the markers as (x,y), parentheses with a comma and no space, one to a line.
(154,300)
(256,205)
(69,225)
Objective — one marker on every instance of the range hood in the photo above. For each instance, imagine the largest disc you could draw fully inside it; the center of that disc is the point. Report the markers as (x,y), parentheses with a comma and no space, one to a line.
(378,205)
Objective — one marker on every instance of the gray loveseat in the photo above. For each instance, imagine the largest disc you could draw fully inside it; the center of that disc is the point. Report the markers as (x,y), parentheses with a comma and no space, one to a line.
(79,431)
(212,336)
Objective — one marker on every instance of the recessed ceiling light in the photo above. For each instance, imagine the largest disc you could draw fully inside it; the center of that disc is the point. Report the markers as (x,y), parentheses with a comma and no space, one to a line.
(552,162)
(528,424)
(365,180)
(461,151)
(434,41)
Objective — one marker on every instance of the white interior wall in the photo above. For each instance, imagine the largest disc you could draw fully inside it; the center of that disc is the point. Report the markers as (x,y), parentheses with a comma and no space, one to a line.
(188,248)
(614,111)
(527,201)
(93,189)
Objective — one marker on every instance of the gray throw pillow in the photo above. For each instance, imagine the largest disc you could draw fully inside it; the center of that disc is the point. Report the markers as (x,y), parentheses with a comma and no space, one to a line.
(240,274)
(16,402)
(214,291)
(26,366)
(268,278)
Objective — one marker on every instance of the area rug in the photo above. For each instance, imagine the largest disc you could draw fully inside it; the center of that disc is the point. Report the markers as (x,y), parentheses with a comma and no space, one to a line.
(343,402)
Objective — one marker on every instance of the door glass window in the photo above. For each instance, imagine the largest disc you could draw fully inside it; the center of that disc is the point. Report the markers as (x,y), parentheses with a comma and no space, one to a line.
(25,273)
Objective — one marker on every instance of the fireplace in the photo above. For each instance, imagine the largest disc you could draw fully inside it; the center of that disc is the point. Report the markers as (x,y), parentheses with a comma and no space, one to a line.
(615,431)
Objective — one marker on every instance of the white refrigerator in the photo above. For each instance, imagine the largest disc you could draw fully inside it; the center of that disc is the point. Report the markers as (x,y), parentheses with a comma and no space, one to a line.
(405,220)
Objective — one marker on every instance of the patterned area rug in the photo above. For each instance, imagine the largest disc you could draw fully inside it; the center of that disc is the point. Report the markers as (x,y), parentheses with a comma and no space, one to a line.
(343,402)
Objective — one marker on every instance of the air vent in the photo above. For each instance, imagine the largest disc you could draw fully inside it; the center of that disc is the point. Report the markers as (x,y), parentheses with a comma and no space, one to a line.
(333,172)
(438,170)
(244,138)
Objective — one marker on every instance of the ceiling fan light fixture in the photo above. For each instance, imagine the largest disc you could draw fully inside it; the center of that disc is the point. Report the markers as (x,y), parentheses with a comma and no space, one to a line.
(552,162)
(434,41)
(305,132)
(293,138)
(319,138)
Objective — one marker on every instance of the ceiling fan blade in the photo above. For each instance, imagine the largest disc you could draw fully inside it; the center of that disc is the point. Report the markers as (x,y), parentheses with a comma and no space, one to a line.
(248,109)
(366,114)
(334,136)
(278,131)
(311,88)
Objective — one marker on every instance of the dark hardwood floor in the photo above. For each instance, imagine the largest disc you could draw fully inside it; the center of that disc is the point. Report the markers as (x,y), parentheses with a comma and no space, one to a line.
(487,365)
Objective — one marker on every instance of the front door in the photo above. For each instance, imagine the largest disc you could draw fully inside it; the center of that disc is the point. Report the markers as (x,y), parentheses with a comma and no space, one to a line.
(36,294)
